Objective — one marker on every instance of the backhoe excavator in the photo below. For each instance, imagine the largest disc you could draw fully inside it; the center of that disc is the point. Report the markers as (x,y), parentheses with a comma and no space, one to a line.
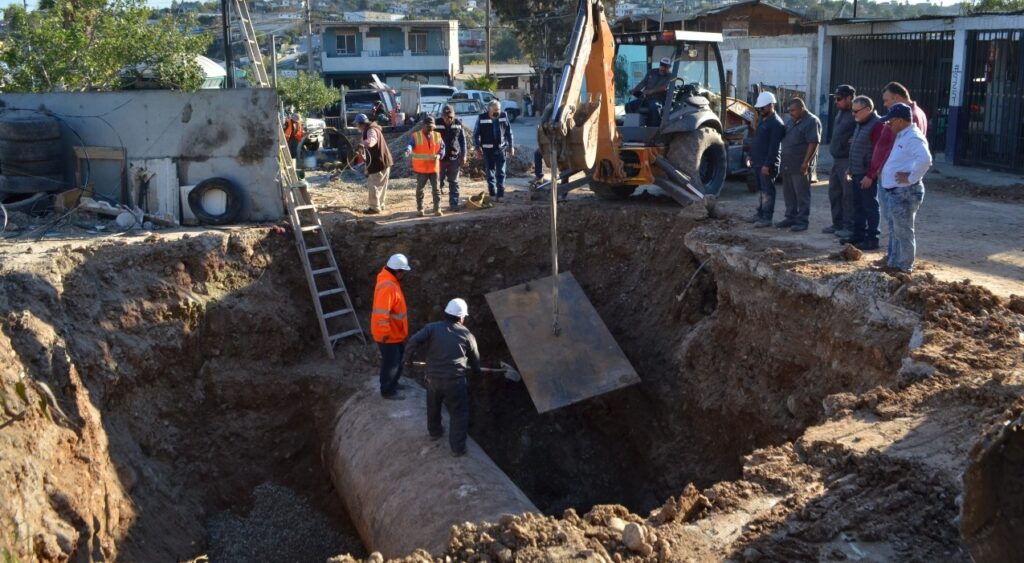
(684,155)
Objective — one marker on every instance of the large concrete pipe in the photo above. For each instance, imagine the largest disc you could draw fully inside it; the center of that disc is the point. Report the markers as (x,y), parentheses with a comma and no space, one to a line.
(404,491)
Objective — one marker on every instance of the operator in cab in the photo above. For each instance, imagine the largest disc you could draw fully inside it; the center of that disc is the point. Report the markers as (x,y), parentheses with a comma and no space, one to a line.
(651,92)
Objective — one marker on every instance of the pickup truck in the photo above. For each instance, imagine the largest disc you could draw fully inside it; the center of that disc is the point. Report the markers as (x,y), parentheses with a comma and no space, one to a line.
(510,107)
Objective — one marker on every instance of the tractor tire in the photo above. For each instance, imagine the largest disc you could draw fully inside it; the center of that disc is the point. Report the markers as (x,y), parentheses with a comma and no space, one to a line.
(23,126)
(700,155)
(610,191)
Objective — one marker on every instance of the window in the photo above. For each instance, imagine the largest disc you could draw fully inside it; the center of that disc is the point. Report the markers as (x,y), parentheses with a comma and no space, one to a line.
(436,91)
(418,42)
(346,43)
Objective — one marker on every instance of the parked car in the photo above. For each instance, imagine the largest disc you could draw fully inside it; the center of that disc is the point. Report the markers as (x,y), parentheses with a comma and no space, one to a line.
(430,93)
(510,107)
(466,110)
(364,101)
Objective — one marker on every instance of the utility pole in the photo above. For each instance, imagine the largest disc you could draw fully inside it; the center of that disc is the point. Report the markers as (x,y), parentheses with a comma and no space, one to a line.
(854,9)
(309,38)
(487,37)
(229,66)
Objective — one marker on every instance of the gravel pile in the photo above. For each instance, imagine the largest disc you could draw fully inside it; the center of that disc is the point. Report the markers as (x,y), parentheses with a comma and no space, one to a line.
(281,526)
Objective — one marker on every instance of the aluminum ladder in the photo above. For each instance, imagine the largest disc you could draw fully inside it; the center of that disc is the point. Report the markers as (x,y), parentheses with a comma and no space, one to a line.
(331,299)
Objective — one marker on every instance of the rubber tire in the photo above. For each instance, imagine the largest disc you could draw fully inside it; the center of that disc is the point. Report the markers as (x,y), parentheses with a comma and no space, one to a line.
(50,149)
(29,127)
(611,192)
(31,184)
(233,209)
(30,168)
(686,150)
(30,204)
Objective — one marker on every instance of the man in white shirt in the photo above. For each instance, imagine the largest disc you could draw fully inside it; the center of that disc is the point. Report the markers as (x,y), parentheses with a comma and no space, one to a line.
(901,190)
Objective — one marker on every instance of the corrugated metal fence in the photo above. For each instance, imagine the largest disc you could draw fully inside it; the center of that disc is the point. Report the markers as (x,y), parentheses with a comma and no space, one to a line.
(992,121)
(920,61)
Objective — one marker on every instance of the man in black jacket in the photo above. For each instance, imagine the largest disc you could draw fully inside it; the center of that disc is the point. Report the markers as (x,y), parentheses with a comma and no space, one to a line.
(455,153)
(451,353)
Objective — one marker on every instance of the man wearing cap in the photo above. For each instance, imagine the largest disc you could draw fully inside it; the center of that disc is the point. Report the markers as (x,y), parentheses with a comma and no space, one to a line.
(893,93)
(651,92)
(901,190)
(799,147)
(841,190)
(765,152)
(389,323)
(426,149)
(456,153)
(451,354)
(492,137)
(378,162)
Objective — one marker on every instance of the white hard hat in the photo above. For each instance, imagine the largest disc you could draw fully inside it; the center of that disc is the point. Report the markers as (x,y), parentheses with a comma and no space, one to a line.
(398,262)
(763,99)
(457,308)
(666,61)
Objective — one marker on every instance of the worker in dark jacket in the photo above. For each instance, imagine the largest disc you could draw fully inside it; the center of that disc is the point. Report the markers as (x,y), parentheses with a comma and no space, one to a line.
(451,352)
(456,153)
(840,189)
(492,137)
(765,154)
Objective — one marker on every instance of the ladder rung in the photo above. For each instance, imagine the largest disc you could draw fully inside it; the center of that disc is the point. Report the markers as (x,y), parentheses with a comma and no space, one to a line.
(337,313)
(334,291)
(345,334)
(324,270)
(310,228)
(304,207)
(316,249)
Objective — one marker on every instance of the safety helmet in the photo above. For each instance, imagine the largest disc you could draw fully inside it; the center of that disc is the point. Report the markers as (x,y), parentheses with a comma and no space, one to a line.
(457,308)
(398,262)
(360,118)
(763,99)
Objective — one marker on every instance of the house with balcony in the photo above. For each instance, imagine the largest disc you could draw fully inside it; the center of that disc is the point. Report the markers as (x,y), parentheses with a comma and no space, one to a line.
(352,51)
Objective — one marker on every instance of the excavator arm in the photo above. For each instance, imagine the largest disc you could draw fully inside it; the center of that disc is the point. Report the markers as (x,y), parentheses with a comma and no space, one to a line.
(581,134)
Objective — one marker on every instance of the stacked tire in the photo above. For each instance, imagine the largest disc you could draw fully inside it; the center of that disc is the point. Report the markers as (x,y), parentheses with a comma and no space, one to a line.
(31,161)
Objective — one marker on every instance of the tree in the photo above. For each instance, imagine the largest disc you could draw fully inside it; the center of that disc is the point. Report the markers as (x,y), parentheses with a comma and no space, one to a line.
(485,82)
(307,92)
(506,48)
(981,6)
(83,45)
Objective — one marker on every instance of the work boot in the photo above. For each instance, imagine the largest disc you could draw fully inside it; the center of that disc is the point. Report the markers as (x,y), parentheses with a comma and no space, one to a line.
(762,223)
(755,218)
(459,454)
(420,213)
(867,245)
(436,437)
(829,229)
(843,233)
(394,397)
(850,240)
(785,223)
(798,228)
(438,212)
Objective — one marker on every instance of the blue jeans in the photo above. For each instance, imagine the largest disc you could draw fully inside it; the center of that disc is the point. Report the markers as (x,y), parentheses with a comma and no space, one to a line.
(654,107)
(494,160)
(538,164)
(899,209)
(865,211)
(453,393)
(450,173)
(766,188)
(390,366)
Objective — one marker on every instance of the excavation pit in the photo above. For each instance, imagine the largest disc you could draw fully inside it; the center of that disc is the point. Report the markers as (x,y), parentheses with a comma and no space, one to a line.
(199,403)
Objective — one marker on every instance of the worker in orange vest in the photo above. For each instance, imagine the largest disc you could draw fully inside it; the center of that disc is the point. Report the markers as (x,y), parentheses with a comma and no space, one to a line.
(389,324)
(293,132)
(426,148)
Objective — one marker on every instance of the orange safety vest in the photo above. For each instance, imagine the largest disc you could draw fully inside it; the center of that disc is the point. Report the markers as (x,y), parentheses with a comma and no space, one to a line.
(424,152)
(293,129)
(390,316)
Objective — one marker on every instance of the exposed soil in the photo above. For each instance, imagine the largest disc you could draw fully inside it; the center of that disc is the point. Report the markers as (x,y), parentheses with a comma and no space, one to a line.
(792,407)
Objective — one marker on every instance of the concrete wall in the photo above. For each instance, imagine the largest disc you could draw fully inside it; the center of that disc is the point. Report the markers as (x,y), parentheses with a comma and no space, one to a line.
(205,134)
(784,60)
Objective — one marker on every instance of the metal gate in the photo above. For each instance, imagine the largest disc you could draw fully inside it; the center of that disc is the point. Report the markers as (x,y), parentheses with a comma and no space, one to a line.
(923,62)
(993,109)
